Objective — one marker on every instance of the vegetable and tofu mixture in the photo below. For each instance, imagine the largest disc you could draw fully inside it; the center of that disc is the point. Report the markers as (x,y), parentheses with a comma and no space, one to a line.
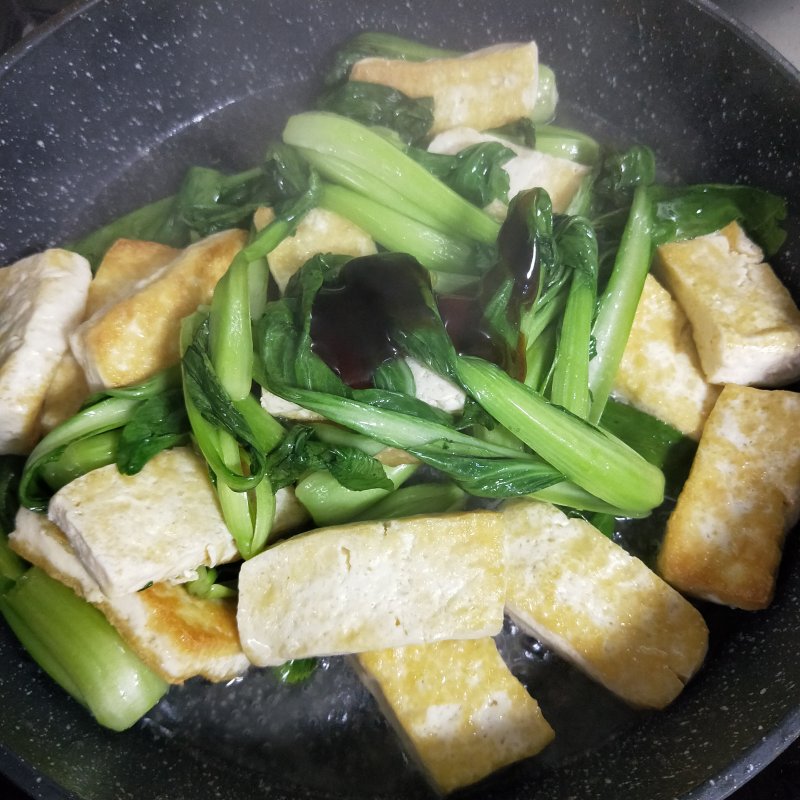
(395,383)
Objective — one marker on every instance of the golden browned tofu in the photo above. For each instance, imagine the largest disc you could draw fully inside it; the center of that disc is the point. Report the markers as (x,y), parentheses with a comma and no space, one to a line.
(660,372)
(372,585)
(484,89)
(177,635)
(599,607)
(744,322)
(137,336)
(725,537)
(320,231)
(459,708)
(126,264)
(65,394)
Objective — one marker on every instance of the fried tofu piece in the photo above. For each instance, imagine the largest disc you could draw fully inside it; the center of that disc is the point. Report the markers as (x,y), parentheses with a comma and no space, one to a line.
(744,321)
(135,337)
(177,635)
(42,300)
(320,231)
(458,708)
(484,89)
(127,264)
(725,537)
(560,177)
(66,393)
(158,525)
(372,585)
(44,544)
(599,607)
(660,371)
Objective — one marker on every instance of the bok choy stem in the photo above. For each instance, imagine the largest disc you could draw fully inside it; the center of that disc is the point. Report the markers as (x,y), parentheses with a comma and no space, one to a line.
(586,455)
(75,644)
(619,300)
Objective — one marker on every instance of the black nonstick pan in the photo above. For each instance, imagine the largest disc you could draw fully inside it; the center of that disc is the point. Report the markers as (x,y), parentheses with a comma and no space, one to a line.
(105,108)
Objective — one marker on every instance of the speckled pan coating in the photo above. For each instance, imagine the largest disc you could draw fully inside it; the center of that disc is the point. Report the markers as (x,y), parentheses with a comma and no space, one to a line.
(106,108)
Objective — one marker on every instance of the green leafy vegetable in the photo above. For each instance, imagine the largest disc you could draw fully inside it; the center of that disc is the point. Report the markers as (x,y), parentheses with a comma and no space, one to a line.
(374,104)
(158,423)
(684,212)
(75,644)
(476,172)
(296,671)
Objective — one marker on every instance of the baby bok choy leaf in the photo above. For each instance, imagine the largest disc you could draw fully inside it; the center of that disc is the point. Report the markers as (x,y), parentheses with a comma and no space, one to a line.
(126,426)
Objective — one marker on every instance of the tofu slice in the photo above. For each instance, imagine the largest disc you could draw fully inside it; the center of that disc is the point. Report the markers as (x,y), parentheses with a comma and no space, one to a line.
(133,530)
(484,89)
(65,395)
(744,322)
(725,537)
(42,299)
(134,338)
(599,607)
(127,264)
(372,585)
(560,177)
(320,231)
(660,371)
(44,544)
(457,707)
(177,635)
(180,636)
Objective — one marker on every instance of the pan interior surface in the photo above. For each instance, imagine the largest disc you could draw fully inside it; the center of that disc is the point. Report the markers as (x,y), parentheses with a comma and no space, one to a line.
(109,109)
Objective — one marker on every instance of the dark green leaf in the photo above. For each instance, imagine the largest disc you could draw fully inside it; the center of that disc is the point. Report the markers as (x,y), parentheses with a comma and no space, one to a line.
(684,212)
(159,423)
(492,477)
(395,376)
(476,172)
(656,441)
(375,105)
(214,404)
(10,474)
(521,131)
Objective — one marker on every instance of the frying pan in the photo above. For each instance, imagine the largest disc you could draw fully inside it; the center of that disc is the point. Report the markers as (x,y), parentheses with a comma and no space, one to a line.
(106,107)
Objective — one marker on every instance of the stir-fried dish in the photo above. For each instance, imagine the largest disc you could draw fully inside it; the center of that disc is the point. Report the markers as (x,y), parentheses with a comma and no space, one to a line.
(404,379)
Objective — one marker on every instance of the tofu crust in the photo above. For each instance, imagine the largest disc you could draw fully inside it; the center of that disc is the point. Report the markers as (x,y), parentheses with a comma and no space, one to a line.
(457,707)
(320,231)
(725,537)
(177,635)
(135,337)
(660,371)
(744,321)
(483,89)
(133,530)
(372,585)
(127,264)
(599,607)
(42,300)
